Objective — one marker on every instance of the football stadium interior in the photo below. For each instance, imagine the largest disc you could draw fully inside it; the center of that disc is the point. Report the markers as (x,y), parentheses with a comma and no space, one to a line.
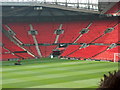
(58,43)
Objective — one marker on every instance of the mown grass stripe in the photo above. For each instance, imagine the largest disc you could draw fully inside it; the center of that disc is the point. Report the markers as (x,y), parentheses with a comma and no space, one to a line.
(57,73)
(41,77)
(54,80)
(71,84)
(41,66)
(51,65)
(51,71)
(56,69)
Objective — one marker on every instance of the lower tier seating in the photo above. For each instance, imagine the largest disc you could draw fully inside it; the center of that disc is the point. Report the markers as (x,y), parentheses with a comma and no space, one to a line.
(70,49)
(47,50)
(5,57)
(88,52)
(108,54)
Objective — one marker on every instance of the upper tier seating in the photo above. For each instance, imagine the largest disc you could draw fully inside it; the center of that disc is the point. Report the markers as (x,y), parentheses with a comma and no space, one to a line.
(21,30)
(109,38)
(114,9)
(45,32)
(71,31)
(96,30)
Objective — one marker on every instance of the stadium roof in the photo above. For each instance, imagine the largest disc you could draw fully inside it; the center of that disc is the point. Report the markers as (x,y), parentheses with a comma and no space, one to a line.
(42,1)
(38,11)
(42,13)
(50,9)
(73,5)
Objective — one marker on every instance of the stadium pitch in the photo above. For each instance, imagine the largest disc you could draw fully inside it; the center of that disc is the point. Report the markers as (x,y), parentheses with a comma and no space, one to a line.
(54,73)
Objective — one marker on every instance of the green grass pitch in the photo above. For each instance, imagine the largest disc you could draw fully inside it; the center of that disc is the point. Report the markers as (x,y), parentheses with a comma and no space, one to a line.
(54,73)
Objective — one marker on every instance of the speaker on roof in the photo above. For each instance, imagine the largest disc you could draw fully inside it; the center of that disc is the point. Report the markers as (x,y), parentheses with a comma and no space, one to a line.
(84,30)
(59,31)
(112,45)
(12,33)
(84,45)
(32,32)
(108,30)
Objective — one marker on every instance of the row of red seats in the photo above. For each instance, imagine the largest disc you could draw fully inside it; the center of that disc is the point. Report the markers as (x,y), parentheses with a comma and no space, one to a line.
(5,57)
(114,10)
